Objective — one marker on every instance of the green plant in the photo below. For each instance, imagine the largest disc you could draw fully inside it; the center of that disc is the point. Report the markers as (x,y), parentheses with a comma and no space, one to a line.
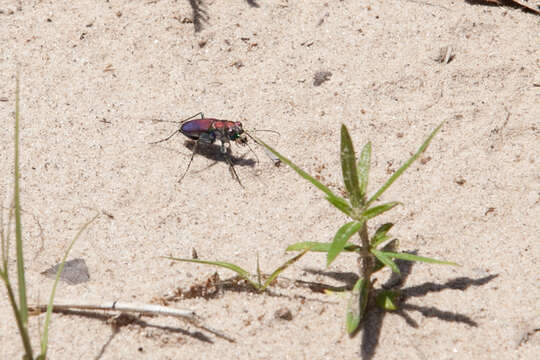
(254,279)
(20,309)
(360,209)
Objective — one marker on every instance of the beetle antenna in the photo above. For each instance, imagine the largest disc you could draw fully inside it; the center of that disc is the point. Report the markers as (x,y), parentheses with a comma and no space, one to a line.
(167,121)
(267,130)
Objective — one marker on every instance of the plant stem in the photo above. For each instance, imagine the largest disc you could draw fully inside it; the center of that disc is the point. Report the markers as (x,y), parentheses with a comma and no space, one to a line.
(366,261)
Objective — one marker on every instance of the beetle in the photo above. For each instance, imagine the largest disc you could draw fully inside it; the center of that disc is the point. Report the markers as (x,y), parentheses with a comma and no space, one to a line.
(207,131)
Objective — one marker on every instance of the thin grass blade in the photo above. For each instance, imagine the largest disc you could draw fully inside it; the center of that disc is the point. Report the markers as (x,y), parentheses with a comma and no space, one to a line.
(364,164)
(379,209)
(20,310)
(23,304)
(405,166)
(237,269)
(340,239)
(45,336)
(348,168)
(300,172)
(319,246)
(23,330)
(386,260)
(259,275)
(380,235)
(4,247)
(280,269)
(411,257)
(356,305)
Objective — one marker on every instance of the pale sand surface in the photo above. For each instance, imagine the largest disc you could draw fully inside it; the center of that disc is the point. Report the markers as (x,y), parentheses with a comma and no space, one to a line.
(94,72)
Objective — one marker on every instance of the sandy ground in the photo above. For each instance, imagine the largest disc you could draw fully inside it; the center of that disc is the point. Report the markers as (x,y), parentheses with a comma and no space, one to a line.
(93,74)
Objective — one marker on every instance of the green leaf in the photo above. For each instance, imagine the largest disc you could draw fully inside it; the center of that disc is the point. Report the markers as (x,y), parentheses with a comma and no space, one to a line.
(340,239)
(300,172)
(382,257)
(319,246)
(341,204)
(356,306)
(405,166)
(411,257)
(280,269)
(387,300)
(380,235)
(237,269)
(379,209)
(348,168)
(391,246)
(364,164)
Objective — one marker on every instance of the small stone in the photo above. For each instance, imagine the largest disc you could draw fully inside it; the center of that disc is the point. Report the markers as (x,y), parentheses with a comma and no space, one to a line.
(283,314)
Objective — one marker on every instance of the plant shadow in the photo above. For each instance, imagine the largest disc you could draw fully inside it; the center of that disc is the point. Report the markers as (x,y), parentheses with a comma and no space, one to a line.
(372,322)
(199,15)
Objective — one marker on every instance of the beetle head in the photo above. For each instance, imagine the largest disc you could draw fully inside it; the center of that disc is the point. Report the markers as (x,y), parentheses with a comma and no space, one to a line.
(235,131)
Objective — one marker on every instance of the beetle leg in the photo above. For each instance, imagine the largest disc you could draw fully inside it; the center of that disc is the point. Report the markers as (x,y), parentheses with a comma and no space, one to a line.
(228,158)
(190,160)
(226,151)
(191,117)
(207,137)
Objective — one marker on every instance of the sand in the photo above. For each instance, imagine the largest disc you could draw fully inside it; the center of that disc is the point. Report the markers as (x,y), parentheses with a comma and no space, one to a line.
(93,75)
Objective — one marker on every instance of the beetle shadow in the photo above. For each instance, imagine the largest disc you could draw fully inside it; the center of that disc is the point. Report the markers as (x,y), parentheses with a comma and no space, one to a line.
(213,152)
(372,322)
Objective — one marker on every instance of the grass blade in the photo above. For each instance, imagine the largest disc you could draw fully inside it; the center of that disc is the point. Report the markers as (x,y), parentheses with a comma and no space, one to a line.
(379,209)
(364,164)
(356,305)
(380,235)
(237,269)
(259,275)
(386,260)
(341,204)
(405,166)
(340,239)
(300,172)
(319,246)
(45,336)
(280,269)
(22,329)
(348,168)
(411,257)
(23,304)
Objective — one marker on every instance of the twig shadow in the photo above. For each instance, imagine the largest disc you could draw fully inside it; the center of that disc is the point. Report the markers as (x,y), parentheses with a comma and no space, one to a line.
(505,3)
(127,319)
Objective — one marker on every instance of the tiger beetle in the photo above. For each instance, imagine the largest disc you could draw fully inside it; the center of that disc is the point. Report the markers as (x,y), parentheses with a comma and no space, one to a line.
(207,131)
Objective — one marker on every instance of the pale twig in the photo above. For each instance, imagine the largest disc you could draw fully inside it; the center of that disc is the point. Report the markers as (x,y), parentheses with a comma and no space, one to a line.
(146,309)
